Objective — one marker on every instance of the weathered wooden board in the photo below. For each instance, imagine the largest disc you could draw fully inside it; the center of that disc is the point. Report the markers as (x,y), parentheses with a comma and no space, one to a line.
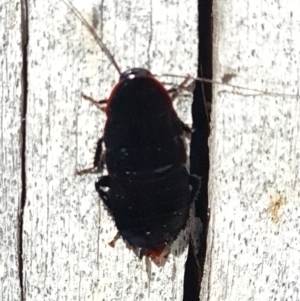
(253,240)
(66,228)
(11,103)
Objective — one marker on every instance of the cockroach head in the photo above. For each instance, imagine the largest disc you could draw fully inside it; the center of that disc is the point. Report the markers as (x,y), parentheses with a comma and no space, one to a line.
(135,72)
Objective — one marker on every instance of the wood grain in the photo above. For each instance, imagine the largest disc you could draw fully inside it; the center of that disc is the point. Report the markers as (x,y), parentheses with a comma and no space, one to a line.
(253,239)
(66,228)
(11,104)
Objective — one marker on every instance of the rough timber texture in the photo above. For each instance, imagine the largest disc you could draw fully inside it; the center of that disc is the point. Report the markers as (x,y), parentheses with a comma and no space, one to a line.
(66,228)
(253,240)
(10,151)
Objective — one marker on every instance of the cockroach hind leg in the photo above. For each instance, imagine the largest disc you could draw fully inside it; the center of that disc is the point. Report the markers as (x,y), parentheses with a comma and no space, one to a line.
(148,269)
(195,182)
(100,104)
(113,242)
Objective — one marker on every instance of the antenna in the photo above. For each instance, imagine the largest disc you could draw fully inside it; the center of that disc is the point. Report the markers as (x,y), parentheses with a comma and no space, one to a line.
(113,61)
(94,34)
(224,83)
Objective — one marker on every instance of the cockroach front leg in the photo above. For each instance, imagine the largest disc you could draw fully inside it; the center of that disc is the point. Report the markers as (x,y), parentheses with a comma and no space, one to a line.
(182,86)
(100,104)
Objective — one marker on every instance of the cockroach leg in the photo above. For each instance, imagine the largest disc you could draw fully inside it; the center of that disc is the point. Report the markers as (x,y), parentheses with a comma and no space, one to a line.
(195,182)
(186,128)
(98,161)
(98,103)
(182,86)
(99,156)
(86,171)
(103,182)
(113,242)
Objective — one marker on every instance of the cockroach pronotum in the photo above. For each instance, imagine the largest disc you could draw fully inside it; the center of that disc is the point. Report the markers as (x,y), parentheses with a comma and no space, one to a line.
(148,189)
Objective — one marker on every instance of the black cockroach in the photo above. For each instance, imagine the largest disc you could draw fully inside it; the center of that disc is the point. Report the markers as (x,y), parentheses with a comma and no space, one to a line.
(147,189)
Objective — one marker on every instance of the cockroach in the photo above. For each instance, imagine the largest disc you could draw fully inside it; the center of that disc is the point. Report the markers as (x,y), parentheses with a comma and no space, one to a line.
(148,189)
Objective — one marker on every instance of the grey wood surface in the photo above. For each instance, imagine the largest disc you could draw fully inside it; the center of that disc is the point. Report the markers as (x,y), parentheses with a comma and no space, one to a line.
(11,104)
(66,228)
(253,239)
